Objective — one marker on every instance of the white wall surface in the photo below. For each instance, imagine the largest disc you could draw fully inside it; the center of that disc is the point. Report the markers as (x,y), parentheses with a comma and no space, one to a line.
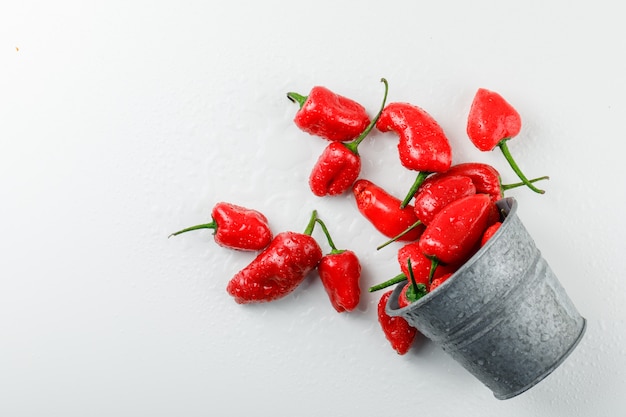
(123,121)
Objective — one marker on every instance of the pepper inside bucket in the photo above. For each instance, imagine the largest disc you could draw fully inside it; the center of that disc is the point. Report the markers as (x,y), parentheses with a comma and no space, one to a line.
(503,315)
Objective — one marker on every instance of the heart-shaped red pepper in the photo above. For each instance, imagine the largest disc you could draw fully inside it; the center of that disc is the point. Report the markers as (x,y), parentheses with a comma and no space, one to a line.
(491,122)
(491,119)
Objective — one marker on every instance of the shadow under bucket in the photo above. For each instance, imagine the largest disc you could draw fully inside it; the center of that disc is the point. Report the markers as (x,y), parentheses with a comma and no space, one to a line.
(503,315)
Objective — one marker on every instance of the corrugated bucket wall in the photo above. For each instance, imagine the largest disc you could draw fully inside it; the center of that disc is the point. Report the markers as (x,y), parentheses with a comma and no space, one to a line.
(503,315)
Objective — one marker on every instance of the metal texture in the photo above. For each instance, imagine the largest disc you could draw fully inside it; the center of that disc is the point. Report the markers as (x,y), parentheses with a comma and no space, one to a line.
(503,315)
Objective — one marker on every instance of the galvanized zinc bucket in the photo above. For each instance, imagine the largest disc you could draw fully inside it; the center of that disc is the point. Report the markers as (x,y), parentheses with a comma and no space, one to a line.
(503,315)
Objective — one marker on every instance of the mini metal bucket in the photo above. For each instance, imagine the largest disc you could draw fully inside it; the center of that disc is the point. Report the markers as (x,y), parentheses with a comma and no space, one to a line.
(503,315)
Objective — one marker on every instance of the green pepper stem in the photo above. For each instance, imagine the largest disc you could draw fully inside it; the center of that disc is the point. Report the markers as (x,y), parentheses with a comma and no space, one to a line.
(411,274)
(398,278)
(333,248)
(410,269)
(418,181)
(505,187)
(297,98)
(507,154)
(416,291)
(311,225)
(352,146)
(393,239)
(211,225)
(434,263)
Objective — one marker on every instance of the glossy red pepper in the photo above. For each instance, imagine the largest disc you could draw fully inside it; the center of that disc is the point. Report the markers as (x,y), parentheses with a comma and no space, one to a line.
(329,115)
(452,236)
(491,119)
(383,211)
(278,269)
(340,273)
(397,330)
(485,177)
(339,165)
(420,268)
(436,193)
(438,281)
(335,171)
(423,145)
(489,232)
(412,254)
(236,227)
(492,122)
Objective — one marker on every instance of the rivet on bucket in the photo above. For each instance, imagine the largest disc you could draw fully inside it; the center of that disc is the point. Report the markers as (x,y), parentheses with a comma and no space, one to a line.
(503,315)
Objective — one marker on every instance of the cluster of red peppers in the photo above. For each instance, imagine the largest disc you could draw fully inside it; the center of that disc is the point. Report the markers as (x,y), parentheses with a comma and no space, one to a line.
(284,260)
(448,213)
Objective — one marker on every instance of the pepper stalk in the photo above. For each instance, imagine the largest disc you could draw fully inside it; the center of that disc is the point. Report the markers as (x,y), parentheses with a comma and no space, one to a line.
(507,155)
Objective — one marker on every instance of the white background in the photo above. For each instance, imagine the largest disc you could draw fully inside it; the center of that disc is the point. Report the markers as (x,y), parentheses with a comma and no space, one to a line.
(123,121)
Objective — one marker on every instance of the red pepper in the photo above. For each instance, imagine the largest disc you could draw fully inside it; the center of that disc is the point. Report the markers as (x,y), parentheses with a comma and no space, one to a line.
(397,330)
(329,115)
(423,145)
(413,291)
(335,171)
(485,177)
(489,232)
(339,164)
(491,122)
(491,119)
(279,269)
(439,280)
(236,227)
(383,211)
(340,272)
(436,193)
(420,268)
(452,236)
(412,254)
